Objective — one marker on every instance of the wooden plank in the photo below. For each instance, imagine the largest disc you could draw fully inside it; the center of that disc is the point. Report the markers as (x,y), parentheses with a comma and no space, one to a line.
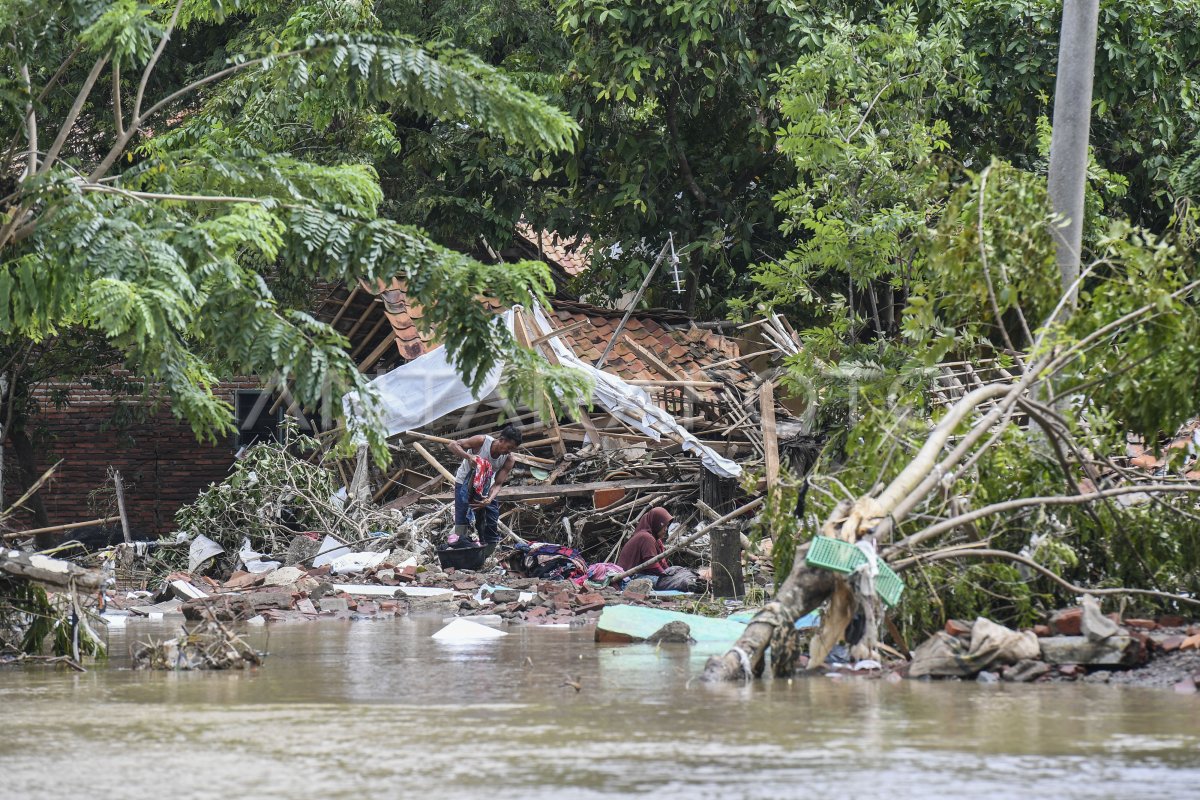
(387,484)
(389,340)
(724,448)
(567,490)
(522,458)
(525,458)
(361,319)
(680,384)
(589,427)
(574,326)
(416,495)
(675,378)
(727,362)
(345,304)
(119,487)
(433,462)
(379,323)
(766,409)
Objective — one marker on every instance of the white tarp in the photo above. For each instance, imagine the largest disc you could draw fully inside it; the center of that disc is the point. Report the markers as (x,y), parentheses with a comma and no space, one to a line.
(424,390)
(428,388)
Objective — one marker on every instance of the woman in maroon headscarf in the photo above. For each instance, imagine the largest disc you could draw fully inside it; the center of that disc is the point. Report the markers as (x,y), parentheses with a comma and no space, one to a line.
(647,542)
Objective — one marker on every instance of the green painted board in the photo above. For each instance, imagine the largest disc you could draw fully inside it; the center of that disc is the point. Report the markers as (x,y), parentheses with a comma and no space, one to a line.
(639,622)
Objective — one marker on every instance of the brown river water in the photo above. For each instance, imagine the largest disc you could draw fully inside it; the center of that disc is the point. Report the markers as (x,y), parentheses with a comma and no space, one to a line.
(381,710)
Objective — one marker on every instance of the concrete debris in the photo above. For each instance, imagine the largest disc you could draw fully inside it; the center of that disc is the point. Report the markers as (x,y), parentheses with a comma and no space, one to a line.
(1094,625)
(1025,671)
(674,632)
(1113,651)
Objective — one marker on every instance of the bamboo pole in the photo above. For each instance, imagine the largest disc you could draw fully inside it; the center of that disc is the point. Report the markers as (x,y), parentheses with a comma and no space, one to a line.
(56,528)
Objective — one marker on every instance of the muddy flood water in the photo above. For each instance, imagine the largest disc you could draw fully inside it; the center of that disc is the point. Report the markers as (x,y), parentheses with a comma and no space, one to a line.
(381,710)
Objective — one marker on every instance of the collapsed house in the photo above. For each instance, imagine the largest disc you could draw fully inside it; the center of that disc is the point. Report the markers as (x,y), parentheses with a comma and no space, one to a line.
(679,417)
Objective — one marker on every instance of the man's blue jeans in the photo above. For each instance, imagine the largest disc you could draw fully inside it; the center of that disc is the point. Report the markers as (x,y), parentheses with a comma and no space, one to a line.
(485,520)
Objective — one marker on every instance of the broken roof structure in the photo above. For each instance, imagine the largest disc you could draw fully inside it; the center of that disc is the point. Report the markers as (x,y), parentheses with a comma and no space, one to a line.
(428,389)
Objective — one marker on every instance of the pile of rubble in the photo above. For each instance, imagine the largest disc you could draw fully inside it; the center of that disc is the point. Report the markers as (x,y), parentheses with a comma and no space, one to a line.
(1078,643)
(296,594)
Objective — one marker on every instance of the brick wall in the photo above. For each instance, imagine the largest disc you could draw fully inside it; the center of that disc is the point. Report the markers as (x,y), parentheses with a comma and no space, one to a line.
(161,462)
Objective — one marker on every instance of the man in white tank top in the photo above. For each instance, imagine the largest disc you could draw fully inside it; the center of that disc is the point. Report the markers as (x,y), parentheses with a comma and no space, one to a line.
(481,513)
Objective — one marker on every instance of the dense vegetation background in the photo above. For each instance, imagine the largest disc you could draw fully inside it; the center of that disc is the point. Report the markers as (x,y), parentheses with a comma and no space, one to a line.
(177,173)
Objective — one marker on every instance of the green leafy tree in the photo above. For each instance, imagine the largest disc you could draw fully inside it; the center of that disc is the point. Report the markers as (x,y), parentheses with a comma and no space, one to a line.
(865,130)
(158,207)
(679,124)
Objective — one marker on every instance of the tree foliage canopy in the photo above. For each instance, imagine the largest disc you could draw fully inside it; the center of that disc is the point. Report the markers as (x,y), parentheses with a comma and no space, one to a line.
(160,215)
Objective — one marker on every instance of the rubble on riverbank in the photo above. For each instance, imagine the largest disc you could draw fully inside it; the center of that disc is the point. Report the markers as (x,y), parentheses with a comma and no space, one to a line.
(294,594)
(1162,652)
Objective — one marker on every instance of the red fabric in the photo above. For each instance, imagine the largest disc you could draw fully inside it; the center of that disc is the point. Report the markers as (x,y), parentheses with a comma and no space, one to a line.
(640,548)
(483,476)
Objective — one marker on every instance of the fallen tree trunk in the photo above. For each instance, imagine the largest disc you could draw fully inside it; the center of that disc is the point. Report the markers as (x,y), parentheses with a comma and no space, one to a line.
(52,572)
(804,590)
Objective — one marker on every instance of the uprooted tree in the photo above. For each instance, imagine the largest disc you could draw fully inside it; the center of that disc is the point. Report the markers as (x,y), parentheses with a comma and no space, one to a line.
(1023,461)
(977,411)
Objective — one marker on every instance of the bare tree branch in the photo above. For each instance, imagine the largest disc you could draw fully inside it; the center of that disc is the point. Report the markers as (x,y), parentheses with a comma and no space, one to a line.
(944,555)
(31,130)
(153,62)
(136,122)
(118,112)
(73,114)
(945,526)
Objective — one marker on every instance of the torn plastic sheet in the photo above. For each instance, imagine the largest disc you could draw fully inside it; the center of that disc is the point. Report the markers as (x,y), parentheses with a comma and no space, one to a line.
(355,562)
(423,390)
(254,562)
(201,550)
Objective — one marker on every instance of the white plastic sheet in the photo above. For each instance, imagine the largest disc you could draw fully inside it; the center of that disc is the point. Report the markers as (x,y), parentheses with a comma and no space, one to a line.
(329,550)
(424,390)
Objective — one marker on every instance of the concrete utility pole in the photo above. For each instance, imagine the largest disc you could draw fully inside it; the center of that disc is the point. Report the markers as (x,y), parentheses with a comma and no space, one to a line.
(1069,143)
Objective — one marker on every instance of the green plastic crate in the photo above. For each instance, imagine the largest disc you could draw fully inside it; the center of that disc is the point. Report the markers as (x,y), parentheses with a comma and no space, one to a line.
(834,554)
(889,585)
(843,557)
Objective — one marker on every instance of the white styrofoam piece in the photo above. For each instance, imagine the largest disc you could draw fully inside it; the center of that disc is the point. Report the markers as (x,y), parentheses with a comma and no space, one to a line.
(424,591)
(355,562)
(329,549)
(463,630)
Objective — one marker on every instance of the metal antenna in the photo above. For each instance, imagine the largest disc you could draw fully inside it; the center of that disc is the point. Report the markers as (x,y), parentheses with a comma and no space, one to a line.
(675,267)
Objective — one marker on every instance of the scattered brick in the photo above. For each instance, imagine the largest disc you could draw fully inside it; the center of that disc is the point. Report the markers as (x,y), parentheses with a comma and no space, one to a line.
(1067,622)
